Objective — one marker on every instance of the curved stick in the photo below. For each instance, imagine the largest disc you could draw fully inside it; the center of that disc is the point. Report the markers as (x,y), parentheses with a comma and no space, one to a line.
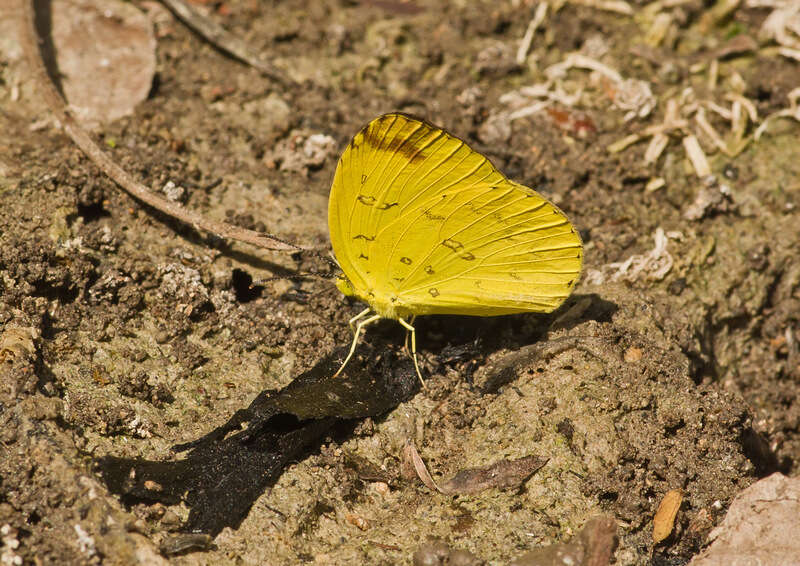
(80,136)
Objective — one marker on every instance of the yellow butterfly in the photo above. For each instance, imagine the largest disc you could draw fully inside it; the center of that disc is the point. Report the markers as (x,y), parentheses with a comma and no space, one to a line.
(421,223)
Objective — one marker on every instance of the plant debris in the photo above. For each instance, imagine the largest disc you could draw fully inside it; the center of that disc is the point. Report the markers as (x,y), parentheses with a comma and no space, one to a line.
(113,43)
(654,265)
(503,474)
(664,520)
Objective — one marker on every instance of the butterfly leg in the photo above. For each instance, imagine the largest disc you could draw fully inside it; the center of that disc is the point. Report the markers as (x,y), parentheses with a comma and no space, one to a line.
(359,327)
(411,323)
(352,321)
(410,330)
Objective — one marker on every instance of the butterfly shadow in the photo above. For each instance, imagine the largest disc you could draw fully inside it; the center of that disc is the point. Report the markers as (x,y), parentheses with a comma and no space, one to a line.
(225,471)
(466,341)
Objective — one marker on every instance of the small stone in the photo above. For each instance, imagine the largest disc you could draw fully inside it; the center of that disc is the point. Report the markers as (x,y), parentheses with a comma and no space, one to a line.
(632,355)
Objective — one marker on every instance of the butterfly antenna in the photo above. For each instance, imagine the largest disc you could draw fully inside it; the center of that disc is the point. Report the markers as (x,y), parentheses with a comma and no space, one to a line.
(325,258)
(309,274)
(298,276)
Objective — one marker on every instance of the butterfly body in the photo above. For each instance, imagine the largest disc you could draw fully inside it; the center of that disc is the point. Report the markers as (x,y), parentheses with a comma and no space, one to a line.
(421,224)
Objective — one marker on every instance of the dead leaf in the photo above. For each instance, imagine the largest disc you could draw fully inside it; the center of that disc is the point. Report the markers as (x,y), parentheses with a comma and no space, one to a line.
(410,453)
(505,474)
(105,54)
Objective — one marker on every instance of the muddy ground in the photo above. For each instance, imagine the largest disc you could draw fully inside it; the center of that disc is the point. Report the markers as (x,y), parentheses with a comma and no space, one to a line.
(673,366)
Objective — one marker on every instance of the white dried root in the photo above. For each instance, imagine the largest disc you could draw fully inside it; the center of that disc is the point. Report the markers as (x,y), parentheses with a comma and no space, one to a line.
(653,265)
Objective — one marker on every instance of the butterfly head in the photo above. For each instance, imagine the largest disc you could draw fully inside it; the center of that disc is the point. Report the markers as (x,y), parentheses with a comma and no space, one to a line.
(387,306)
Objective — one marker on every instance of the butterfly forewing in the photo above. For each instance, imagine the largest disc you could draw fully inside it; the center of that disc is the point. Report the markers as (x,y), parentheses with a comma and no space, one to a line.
(427,219)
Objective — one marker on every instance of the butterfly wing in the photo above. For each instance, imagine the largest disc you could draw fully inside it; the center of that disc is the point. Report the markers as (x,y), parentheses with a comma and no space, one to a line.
(420,218)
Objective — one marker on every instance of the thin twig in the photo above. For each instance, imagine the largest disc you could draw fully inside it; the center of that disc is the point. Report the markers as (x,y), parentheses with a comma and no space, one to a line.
(696,156)
(82,139)
(527,39)
(223,40)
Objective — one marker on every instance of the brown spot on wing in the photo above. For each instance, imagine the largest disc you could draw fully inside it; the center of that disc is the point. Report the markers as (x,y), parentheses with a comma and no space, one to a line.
(458,247)
(372,133)
(410,144)
(454,245)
